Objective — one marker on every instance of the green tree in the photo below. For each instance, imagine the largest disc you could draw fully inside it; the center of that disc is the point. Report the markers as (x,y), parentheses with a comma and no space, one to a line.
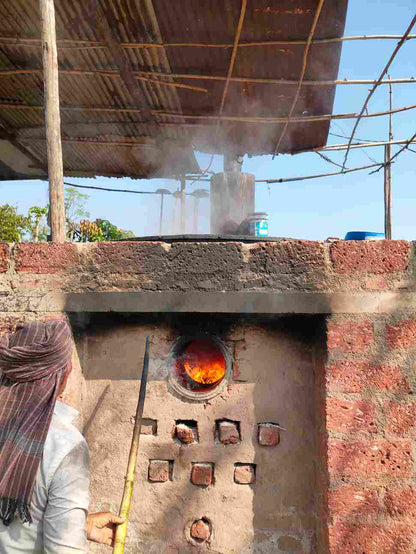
(111,232)
(12,225)
(75,205)
(37,223)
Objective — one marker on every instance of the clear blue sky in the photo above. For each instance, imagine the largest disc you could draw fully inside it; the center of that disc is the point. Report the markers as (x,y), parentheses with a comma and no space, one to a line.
(312,209)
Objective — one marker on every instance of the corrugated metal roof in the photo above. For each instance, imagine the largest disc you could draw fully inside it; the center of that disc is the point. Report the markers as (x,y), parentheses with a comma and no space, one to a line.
(92,102)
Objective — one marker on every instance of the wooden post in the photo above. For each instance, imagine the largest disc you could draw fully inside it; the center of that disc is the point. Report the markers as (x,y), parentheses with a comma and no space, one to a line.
(53,122)
(183,208)
(387,174)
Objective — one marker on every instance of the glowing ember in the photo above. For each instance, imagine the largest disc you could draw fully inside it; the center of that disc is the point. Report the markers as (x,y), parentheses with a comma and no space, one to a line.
(203,362)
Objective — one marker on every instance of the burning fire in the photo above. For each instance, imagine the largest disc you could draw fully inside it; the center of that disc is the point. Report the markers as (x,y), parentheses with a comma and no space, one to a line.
(203,362)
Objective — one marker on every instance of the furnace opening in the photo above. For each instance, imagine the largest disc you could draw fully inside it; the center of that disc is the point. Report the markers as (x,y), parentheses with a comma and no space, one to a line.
(199,366)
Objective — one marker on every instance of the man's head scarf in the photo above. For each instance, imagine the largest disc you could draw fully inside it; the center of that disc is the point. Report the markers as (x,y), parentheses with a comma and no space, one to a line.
(33,362)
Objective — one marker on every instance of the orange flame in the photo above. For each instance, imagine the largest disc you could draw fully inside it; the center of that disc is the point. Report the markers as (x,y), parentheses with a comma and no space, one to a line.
(203,362)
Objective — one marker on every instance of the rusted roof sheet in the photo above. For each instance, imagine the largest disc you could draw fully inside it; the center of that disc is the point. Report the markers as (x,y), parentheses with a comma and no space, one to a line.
(110,129)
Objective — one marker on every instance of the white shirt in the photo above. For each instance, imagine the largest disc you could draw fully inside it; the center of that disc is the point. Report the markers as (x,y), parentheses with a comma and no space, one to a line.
(60,501)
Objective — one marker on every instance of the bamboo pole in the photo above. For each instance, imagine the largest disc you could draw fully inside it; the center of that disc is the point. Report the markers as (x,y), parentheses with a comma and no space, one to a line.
(387,193)
(176,115)
(301,77)
(333,147)
(387,174)
(231,64)
(113,73)
(53,122)
(121,531)
(85,44)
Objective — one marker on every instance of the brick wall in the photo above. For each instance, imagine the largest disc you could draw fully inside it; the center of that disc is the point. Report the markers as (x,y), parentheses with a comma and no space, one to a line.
(368,391)
(290,265)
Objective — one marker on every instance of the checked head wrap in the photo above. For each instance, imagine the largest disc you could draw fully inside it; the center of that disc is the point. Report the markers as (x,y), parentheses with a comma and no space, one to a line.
(33,362)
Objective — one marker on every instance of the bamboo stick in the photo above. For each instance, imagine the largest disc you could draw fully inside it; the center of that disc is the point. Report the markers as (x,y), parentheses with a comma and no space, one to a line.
(174,85)
(205,77)
(121,531)
(302,75)
(82,44)
(330,148)
(238,119)
(69,140)
(333,147)
(269,81)
(103,73)
(370,94)
(232,62)
(387,173)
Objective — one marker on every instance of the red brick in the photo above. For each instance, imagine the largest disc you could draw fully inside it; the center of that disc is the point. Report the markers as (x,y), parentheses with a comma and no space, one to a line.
(202,474)
(401,419)
(200,530)
(371,459)
(158,471)
(244,474)
(287,257)
(343,415)
(47,257)
(350,336)
(228,432)
(128,257)
(402,335)
(269,434)
(185,433)
(358,375)
(4,256)
(353,502)
(349,538)
(369,256)
(401,502)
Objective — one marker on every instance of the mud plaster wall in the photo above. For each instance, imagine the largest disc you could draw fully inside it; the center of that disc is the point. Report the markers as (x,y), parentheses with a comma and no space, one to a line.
(275,384)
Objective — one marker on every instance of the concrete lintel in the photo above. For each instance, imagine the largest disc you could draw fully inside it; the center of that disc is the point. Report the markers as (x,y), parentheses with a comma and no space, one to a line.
(221,302)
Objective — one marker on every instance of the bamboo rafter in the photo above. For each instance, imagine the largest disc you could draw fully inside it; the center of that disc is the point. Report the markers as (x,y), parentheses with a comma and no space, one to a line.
(128,142)
(302,75)
(231,65)
(96,44)
(376,84)
(145,141)
(174,115)
(336,147)
(112,73)
(105,73)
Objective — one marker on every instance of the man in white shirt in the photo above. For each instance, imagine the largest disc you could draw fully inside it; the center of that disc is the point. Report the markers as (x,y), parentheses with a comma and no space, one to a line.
(51,515)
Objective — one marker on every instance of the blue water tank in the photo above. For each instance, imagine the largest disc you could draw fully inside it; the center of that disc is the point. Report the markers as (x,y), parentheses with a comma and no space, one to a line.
(364,235)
